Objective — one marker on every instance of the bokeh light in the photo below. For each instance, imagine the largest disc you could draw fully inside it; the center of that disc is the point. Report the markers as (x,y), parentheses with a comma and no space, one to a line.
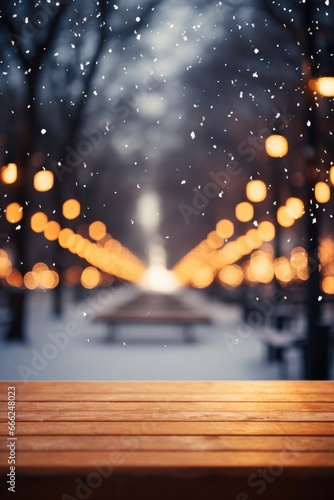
(63,237)
(90,277)
(231,276)
(283,270)
(284,217)
(276,146)
(9,173)
(331,175)
(71,209)
(43,180)
(256,191)
(14,212)
(38,222)
(295,207)
(97,230)
(244,211)
(266,230)
(323,85)
(15,279)
(5,264)
(52,230)
(225,228)
(214,240)
(203,277)
(327,285)
(322,192)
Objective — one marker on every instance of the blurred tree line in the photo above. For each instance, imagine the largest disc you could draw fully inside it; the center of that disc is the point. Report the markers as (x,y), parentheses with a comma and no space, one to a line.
(117,99)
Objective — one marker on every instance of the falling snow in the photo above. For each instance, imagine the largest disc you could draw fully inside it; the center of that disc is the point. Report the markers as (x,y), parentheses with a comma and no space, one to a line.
(117,93)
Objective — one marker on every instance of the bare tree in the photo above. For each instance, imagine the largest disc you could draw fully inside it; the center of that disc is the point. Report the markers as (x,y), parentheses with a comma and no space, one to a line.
(31,33)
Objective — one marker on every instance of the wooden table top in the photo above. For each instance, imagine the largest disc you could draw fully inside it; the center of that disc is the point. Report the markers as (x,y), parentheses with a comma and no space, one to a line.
(72,425)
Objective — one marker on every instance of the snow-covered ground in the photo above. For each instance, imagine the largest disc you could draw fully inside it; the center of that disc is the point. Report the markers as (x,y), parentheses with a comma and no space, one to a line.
(77,348)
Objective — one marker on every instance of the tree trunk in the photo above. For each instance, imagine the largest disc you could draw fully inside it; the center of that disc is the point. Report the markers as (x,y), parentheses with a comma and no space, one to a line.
(16,303)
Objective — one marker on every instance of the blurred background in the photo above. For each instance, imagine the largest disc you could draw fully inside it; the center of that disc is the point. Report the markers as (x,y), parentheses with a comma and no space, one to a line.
(180,150)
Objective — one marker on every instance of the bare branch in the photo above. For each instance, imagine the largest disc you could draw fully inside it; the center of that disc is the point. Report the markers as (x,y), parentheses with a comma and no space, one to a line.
(32,59)
(12,33)
(44,47)
(144,18)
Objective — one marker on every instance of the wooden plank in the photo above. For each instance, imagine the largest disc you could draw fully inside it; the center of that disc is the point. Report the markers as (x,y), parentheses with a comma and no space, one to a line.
(167,426)
(172,443)
(171,406)
(167,459)
(157,387)
(172,416)
(74,397)
(170,428)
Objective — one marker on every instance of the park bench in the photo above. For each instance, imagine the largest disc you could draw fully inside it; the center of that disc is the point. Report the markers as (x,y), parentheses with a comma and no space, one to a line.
(154,309)
(180,440)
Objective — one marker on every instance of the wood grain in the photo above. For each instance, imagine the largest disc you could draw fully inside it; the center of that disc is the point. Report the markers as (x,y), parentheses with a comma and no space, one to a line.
(169,459)
(172,406)
(160,388)
(247,428)
(173,443)
(69,426)
(40,396)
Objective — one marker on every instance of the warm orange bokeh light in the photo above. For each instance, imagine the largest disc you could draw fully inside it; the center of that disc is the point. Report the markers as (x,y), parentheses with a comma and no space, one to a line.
(244,245)
(15,278)
(327,285)
(30,280)
(40,266)
(97,230)
(43,180)
(225,228)
(256,191)
(113,246)
(322,192)
(14,212)
(244,211)
(323,85)
(9,173)
(5,264)
(253,238)
(214,240)
(276,146)
(261,267)
(266,230)
(232,275)
(52,230)
(202,277)
(284,218)
(90,277)
(331,175)
(63,237)
(47,279)
(283,270)
(71,209)
(38,222)
(299,257)
(295,207)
